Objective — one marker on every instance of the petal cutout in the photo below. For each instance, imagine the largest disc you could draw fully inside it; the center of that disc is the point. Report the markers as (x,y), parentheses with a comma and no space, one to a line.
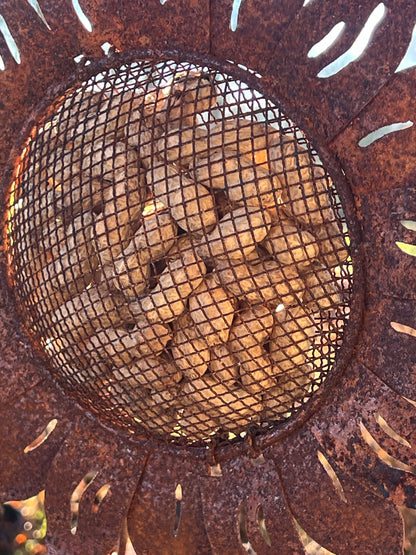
(156,519)
(390,355)
(243,484)
(359,397)
(391,159)
(90,447)
(23,475)
(374,524)
(332,103)
(390,272)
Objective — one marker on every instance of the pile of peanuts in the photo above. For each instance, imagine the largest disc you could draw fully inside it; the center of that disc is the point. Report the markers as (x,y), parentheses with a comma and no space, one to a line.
(177,268)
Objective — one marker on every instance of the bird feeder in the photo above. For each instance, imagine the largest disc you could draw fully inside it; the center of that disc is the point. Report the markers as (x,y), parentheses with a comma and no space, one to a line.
(206,303)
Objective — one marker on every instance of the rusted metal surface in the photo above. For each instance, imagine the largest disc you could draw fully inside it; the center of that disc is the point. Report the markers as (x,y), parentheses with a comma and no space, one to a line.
(231,504)
(19,369)
(337,112)
(390,354)
(387,163)
(374,524)
(338,431)
(390,271)
(168,521)
(116,465)
(26,476)
(329,104)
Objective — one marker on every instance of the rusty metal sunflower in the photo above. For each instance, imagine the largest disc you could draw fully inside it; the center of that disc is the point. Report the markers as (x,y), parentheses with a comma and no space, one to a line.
(206,302)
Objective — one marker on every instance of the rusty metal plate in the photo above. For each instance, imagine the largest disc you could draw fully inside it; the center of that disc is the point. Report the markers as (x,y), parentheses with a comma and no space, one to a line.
(388,345)
(343,431)
(246,505)
(330,103)
(169,509)
(25,439)
(364,427)
(341,501)
(390,267)
(100,478)
(388,162)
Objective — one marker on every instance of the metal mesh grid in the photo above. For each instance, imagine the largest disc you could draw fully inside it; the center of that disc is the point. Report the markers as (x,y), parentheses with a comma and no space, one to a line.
(179,252)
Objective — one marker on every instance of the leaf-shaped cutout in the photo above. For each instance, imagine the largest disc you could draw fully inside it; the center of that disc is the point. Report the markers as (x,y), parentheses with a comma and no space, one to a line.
(383,455)
(38,10)
(390,432)
(409,224)
(358,46)
(42,437)
(327,41)
(332,474)
(81,16)
(401,328)
(310,545)
(407,248)
(383,131)
(8,37)
(178,509)
(100,496)
(262,525)
(242,529)
(234,14)
(77,495)
(409,59)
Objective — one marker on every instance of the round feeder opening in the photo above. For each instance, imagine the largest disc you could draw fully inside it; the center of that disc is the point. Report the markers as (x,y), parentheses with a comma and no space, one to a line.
(179,252)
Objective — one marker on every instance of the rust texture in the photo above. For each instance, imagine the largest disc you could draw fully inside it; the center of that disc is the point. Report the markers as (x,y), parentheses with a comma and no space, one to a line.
(374,521)
(376,380)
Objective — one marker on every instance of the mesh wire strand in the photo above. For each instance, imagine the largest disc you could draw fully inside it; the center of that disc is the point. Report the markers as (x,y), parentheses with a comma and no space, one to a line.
(179,253)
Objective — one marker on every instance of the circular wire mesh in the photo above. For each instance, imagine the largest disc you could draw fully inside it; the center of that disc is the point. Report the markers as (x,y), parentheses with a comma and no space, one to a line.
(178,252)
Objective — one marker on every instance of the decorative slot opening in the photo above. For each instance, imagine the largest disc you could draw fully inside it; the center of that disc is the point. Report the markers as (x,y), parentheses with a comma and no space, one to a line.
(81,16)
(390,432)
(215,470)
(401,328)
(329,39)
(8,37)
(178,509)
(42,437)
(383,455)
(77,496)
(333,476)
(100,496)
(311,546)
(242,528)
(234,14)
(409,224)
(262,525)
(409,59)
(383,131)
(37,8)
(358,46)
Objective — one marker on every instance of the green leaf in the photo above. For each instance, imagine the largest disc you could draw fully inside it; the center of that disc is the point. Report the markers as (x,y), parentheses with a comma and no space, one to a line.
(409,224)
(407,248)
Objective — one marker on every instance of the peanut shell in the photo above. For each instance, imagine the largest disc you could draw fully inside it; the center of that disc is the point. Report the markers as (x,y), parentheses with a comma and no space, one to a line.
(212,309)
(236,234)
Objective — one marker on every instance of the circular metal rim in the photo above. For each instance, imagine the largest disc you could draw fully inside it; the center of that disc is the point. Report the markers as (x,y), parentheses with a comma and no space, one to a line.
(218,449)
